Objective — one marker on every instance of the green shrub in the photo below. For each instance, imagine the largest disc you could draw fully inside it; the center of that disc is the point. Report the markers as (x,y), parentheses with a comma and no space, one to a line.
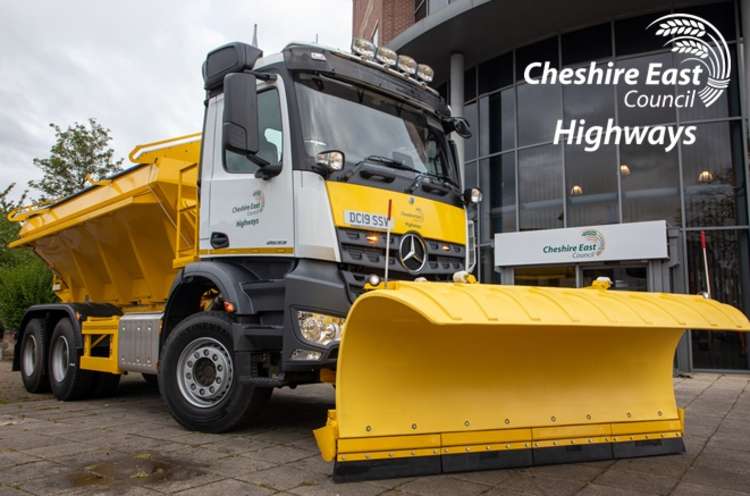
(21,286)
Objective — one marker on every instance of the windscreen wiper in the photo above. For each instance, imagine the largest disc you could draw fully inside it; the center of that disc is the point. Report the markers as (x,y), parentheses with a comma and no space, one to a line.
(400,165)
(391,162)
(395,164)
(427,175)
(388,162)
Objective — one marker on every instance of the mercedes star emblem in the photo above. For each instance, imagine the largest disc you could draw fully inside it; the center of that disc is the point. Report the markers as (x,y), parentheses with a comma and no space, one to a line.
(412,252)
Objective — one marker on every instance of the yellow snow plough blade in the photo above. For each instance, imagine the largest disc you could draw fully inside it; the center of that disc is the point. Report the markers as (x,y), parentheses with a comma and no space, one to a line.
(444,377)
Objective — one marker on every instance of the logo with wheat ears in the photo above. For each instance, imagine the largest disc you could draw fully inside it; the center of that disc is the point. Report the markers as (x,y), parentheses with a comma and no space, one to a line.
(698,38)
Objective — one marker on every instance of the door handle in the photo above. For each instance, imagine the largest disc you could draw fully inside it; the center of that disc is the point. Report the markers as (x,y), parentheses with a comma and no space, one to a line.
(219,240)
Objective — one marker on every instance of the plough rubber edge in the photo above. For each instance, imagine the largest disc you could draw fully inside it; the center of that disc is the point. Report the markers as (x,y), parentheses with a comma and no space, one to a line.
(431,465)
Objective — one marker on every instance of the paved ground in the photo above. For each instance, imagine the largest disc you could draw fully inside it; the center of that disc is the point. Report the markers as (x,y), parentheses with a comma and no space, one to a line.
(130,445)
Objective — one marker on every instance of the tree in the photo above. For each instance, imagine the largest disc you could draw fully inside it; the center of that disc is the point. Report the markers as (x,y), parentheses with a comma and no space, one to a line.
(6,203)
(24,279)
(80,151)
(8,229)
(21,286)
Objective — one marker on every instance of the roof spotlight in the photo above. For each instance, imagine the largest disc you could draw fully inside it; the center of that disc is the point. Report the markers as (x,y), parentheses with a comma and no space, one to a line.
(386,56)
(425,73)
(363,48)
(407,65)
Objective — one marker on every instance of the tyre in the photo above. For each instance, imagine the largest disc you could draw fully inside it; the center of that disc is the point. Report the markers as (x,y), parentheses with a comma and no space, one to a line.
(151,379)
(105,385)
(67,381)
(33,359)
(199,380)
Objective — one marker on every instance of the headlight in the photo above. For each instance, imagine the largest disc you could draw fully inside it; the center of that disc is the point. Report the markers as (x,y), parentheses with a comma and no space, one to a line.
(318,328)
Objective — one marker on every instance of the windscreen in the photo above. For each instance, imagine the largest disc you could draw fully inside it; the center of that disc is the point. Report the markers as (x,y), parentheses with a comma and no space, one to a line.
(361,123)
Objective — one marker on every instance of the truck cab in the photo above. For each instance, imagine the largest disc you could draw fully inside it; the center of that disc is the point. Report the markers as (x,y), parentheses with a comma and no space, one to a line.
(302,152)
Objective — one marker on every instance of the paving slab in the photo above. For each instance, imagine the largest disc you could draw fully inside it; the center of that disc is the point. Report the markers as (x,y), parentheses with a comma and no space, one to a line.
(129,445)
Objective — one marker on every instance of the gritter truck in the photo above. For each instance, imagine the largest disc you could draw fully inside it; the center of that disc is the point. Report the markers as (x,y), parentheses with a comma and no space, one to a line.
(317,231)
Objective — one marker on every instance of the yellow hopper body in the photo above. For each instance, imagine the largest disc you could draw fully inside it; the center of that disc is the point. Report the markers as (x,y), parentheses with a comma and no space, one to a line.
(444,377)
(121,240)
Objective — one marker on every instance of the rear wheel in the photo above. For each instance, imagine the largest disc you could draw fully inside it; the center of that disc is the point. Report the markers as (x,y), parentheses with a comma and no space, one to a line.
(34,357)
(199,380)
(67,380)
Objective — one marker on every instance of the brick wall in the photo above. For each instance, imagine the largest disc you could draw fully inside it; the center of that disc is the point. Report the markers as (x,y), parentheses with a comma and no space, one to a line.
(390,17)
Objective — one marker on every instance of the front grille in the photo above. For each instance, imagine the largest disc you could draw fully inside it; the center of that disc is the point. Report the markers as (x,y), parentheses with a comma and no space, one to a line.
(361,257)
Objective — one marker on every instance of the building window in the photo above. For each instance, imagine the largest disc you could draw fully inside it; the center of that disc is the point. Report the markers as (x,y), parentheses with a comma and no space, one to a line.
(560,276)
(498,176)
(539,109)
(470,84)
(728,105)
(728,268)
(540,186)
(586,45)
(471,178)
(420,10)
(591,186)
(650,184)
(631,35)
(496,73)
(543,51)
(719,14)
(594,103)
(627,95)
(713,176)
(497,122)
(470,145)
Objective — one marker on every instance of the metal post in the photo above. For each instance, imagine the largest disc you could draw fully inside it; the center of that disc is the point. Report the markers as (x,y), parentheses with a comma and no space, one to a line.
(388,241)
(457,105)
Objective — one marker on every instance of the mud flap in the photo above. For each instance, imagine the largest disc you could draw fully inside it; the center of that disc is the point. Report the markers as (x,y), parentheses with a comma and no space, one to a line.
(446,377)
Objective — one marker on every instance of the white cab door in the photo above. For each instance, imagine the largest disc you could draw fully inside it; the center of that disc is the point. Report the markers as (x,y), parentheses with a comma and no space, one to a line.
(248,215)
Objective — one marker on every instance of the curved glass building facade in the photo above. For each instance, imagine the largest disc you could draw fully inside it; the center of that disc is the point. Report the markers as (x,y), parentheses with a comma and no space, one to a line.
(531,183)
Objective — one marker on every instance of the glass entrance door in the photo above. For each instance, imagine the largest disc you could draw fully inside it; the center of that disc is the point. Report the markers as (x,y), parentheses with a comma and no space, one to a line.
(557,276)
(623,277)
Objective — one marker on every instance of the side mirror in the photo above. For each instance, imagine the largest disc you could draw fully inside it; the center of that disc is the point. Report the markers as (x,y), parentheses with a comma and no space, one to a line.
(459,125)
(240,120)
(472,196)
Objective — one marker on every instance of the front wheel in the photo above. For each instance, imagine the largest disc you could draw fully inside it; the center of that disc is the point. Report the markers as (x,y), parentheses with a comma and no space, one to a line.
(198,377)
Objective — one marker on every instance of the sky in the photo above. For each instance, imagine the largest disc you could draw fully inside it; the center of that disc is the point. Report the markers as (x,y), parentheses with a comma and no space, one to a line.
(134,66)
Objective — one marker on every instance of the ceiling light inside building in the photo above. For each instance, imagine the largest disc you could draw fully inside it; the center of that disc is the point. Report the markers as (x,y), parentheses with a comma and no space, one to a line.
(576,190)
(705,176)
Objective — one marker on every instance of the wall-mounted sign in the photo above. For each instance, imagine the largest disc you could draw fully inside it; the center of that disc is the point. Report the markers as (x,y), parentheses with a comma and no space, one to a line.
(631,241)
